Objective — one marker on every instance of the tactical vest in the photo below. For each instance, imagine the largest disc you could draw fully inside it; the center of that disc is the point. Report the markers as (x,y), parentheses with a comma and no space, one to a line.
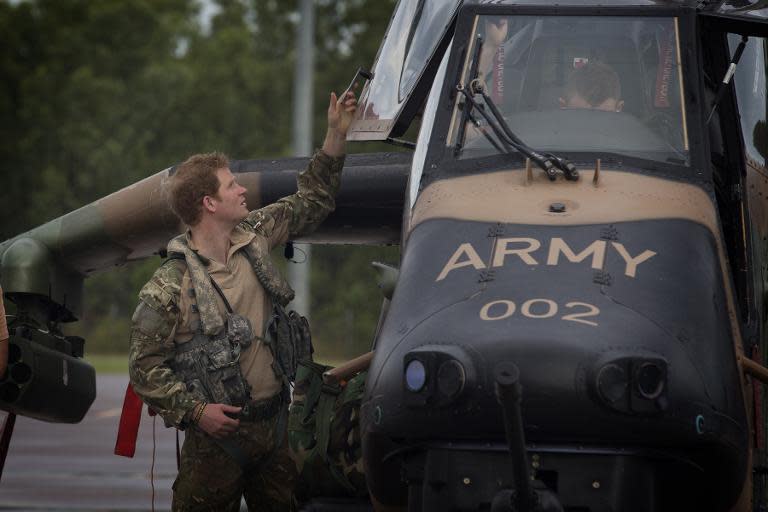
(209,364)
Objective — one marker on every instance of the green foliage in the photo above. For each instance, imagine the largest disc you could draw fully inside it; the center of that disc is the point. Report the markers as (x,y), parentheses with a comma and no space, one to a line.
(345,298)
(110,301)
(84,99)
(108,363)
(97,95)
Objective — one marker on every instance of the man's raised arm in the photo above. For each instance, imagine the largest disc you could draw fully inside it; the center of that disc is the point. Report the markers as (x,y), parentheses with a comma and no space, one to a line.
(302,212)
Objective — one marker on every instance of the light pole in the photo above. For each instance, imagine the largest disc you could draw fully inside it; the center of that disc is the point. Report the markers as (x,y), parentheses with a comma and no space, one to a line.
(298,273)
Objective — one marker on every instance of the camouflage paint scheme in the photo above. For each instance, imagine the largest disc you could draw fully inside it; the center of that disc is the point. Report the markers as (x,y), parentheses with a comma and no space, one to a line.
(136,222)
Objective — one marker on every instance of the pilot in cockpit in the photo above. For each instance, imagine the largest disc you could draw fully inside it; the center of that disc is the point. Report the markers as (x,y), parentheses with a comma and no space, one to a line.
(594,86)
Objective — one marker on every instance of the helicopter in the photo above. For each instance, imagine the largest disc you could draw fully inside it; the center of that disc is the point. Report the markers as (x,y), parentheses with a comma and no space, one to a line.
(578,320)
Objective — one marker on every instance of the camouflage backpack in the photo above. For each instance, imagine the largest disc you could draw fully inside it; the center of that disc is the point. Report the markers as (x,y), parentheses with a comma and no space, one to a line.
(324,434)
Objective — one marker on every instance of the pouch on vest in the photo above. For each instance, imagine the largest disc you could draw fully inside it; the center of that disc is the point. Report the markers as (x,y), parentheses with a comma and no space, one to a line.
(210,367)
(239,330)
(324,435)
(290,340)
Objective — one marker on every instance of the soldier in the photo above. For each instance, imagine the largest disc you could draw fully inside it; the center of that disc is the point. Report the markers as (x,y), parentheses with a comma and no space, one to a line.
(203,350)
(593,86)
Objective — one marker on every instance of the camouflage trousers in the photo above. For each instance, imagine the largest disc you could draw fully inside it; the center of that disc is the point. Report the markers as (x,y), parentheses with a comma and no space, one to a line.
(211,480)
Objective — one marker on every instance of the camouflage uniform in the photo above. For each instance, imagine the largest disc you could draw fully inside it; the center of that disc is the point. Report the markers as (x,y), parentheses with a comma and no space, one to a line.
(324,434)
(170,310)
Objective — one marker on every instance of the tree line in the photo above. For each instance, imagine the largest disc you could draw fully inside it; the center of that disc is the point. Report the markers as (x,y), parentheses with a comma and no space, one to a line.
(96,95)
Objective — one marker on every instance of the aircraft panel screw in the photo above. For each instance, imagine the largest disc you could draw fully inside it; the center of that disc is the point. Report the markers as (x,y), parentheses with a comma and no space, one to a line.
(699,424)
(466,480)
(557,208)
(596,484)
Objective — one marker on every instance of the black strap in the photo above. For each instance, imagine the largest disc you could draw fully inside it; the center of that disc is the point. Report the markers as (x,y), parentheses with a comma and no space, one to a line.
(178,452)
(221,294)
(176,256)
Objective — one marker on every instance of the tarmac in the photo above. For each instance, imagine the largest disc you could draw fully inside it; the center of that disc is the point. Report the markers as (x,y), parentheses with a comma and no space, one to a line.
(58,467)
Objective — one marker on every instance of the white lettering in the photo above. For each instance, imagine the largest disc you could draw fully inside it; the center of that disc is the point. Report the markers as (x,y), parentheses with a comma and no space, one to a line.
(632,263)
(506,308)
(509,310)
(596,249)
(550,312)
(467,256)
(577,317)
(524,253)
(473,259)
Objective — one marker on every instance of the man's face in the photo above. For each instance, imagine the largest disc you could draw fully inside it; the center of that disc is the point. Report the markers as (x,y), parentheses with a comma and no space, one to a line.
(230,203)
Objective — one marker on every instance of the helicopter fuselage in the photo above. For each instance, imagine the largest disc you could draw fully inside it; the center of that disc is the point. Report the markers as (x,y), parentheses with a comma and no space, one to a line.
(615,295)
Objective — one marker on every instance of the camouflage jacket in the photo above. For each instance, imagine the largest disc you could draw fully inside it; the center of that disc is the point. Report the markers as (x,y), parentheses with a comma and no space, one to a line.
(154,322)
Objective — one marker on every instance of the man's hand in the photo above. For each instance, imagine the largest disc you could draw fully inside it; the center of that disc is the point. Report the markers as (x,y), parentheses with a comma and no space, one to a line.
(216,423)
(341,111)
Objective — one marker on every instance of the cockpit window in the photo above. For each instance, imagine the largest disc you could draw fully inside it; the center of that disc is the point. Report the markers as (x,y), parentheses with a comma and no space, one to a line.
(430,20)
(408,57)
(578,84)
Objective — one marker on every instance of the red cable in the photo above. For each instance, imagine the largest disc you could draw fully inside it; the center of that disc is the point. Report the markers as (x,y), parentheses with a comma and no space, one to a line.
(152,468)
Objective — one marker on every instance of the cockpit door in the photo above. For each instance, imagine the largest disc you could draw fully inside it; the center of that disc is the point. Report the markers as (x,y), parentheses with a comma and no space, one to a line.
(404,68)
(743,17)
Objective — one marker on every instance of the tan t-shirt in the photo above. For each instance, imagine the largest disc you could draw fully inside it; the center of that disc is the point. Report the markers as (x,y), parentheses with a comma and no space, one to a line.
(3,324)
(247,298)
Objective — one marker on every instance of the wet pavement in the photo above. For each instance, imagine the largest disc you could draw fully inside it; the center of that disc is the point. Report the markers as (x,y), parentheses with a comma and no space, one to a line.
(55,467)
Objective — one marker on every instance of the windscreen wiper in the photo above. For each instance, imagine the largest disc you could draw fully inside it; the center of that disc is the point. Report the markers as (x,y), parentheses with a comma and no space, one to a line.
(479,127)
(467,110)
(549,162)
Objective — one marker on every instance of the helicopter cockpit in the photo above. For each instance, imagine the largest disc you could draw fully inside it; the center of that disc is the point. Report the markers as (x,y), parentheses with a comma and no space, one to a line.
(576,84)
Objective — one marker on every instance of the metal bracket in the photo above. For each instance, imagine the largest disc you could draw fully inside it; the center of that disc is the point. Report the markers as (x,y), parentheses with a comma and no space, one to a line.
(754,369)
